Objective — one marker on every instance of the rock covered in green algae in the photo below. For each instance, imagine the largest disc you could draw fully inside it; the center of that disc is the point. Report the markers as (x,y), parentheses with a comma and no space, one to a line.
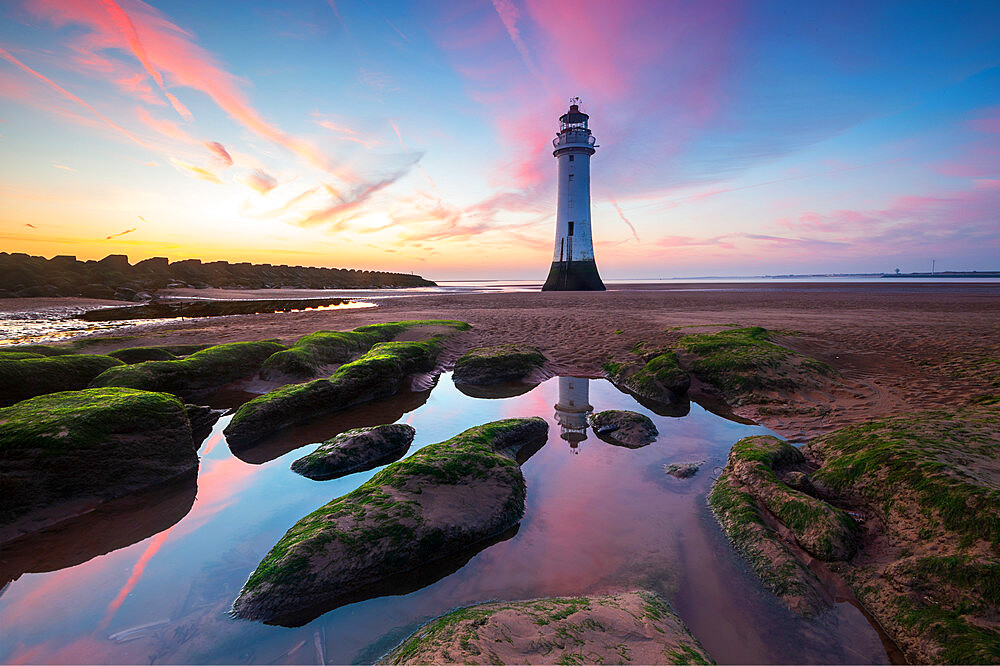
(929,484)
(141,354)
(823,531)
(637,627)
(624,428)
(658,377)
(61,454)
(206,369)
(313,353)
(356,450)
(768,555)
(27,377)
(740,363)
(379,373)
(482,366)
(439,501)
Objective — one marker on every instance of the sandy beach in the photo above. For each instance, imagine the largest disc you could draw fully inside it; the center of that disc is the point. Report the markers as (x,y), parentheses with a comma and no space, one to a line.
(898,347)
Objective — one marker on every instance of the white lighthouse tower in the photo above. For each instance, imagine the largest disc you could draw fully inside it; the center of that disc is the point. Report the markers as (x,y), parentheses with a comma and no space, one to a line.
(573,265)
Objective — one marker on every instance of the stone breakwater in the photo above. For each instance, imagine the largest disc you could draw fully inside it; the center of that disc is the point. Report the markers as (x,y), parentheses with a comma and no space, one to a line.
(23,275)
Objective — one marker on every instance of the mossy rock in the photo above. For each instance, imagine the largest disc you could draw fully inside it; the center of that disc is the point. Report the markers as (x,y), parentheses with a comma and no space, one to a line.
(379,373)
(658,377)
(356,450)
(63,453)
(631,627)
(768,555)
(442,499)
(142,354)
(742,361)
(28,377)
(483,366)
(17,356)
(314,352)
(930,478)
(209,368)
(41,350)
(624,428)
(823,531)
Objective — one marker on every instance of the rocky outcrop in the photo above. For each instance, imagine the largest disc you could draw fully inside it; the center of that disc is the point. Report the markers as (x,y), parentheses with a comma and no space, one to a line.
(356,450)
(928,486)
(745,365)
(379,373)
(483,366)
(142,354)
(114,277)
(186,377)
(825,532)
(624,428)
(319,351)
(202,418)
(63,454)
(28,376)
(656,377)
(435,503)
(636,627)
(752,504)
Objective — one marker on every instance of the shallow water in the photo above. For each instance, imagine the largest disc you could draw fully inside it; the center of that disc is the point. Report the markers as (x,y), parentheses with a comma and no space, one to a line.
(599,518)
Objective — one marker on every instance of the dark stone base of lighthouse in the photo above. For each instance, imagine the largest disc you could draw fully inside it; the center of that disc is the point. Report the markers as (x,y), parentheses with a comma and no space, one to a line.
(573,276)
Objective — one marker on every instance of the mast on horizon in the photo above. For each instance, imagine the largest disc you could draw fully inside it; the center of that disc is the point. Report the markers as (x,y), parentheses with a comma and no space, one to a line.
(573,265)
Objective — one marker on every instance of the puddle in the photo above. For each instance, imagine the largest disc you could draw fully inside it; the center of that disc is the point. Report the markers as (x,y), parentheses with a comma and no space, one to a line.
(599,518)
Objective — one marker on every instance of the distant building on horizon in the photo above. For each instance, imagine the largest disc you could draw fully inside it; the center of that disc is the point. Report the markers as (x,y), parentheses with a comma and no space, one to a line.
(573,265)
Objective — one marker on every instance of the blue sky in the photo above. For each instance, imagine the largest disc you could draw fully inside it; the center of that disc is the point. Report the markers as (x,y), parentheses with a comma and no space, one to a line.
(736,138)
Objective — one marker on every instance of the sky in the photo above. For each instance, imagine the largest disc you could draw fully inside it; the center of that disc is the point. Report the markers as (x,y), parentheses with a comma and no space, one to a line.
(735,138)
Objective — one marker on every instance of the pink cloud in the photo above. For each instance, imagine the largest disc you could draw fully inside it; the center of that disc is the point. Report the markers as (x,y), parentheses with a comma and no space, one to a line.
(67,94)
(260,181)
(220,153)
(171,52)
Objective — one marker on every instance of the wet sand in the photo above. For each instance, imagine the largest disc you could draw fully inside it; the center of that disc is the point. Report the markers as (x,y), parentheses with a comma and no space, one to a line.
(897,346)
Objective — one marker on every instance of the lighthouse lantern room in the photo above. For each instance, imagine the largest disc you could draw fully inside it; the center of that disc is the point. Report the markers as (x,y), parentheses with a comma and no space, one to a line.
(573,265)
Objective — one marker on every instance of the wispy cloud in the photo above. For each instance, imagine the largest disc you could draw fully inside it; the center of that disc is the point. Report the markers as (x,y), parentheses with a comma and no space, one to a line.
(260,181)
(121,233)
(195,171)
(625,220)
(67,94)
(220,153)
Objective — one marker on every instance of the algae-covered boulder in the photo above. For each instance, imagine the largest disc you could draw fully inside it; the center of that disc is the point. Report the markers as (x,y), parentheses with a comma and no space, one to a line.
(313,353)
(437,502)
(27,377)
(637,627)
(379,373)
(745,364)
(929,485)
(206,369)
(356,450)
(483,366)
(770,557)
(202,418)
(823,531)
(64,453)
(142,354)
(624,428)
(658,377)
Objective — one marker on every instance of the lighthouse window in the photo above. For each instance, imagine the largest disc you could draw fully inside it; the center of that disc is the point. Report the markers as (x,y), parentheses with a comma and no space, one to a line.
(571,228)
(571,178)
(571,158)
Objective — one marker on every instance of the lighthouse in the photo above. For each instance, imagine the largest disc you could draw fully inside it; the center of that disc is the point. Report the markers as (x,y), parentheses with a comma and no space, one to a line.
(573,265)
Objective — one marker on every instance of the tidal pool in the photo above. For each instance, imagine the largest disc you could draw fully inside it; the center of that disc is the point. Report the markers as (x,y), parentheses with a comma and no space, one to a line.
(150,579)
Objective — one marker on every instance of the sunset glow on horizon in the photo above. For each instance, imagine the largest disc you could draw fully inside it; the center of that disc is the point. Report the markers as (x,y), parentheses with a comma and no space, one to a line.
(736,138)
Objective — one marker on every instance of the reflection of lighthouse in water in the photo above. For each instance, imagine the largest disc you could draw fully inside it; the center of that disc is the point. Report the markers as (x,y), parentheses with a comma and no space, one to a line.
(572,410)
